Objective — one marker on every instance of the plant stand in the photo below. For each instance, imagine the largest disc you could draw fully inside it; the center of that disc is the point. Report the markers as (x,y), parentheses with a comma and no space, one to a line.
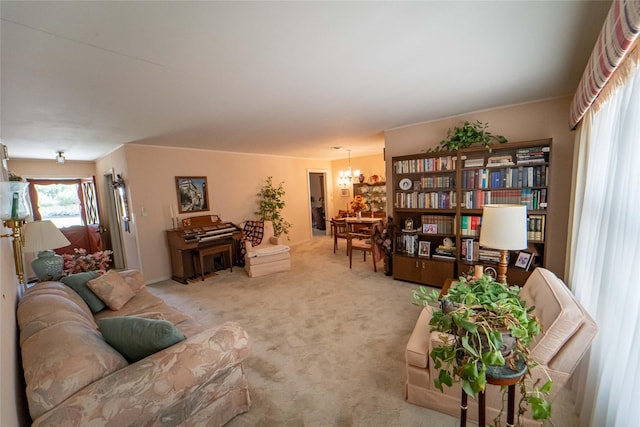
(502,376)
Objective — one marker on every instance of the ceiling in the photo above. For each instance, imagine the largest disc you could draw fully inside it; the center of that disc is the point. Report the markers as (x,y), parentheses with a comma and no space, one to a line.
(281,78)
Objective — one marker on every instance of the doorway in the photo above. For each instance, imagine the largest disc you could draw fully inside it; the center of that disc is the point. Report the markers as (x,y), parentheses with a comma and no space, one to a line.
(318,202)
(114,222)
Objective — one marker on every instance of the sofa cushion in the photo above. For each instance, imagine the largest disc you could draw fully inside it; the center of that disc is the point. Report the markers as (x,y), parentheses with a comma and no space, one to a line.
(78,282)
(39,310)
(112,289)
(137,337)
(62,359)
(267,250)
(556,309)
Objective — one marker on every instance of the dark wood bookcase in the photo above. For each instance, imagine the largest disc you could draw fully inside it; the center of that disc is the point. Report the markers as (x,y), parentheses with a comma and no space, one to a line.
(442,195)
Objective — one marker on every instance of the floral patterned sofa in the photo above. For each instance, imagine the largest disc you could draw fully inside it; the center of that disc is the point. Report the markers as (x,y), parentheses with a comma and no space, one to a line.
(74,377)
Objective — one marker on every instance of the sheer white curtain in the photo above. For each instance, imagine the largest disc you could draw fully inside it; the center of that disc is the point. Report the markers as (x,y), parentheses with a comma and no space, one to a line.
(604,253)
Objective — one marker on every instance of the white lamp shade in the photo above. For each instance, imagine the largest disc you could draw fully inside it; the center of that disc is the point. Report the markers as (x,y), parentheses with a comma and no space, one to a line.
(43,236)
(504,227)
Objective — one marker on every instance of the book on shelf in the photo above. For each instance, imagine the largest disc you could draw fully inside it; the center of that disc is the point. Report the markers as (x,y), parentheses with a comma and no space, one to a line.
(535,227)
(532,155)
(443,224)
(429,164)
(474,163)
(444,257)
(500,161)
(469,250)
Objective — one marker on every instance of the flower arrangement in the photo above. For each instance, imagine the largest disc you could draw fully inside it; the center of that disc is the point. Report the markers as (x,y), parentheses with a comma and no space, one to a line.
(80,261)
(358,204)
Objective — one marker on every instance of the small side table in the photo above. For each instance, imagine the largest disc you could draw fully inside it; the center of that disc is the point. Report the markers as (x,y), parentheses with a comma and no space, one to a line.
(502,376)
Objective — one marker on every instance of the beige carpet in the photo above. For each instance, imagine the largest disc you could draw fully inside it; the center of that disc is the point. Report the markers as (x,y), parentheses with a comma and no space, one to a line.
(327,343)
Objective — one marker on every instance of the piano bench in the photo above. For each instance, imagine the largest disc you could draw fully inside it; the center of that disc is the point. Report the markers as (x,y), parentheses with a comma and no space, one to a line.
(200,254)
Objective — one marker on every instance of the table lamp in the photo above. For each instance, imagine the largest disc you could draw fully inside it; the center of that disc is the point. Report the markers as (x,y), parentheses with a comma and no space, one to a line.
(504,227)
(15,208)
(42,237)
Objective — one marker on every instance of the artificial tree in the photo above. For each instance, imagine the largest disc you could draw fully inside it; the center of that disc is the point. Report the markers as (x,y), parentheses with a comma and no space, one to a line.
(270,206)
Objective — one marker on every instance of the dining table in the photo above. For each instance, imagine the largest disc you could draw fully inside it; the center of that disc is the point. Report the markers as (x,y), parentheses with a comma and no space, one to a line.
(353,222)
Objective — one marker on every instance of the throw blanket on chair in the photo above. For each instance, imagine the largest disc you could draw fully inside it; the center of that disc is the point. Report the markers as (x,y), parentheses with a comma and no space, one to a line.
(253,232)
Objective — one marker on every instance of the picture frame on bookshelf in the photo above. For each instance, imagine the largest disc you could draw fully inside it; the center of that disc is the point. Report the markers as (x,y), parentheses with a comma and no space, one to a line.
(524,260)
(424,248)
(430,228)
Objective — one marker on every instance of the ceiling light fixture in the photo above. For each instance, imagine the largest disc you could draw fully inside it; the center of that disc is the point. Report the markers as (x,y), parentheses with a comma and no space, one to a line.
(345,177)
(60,157)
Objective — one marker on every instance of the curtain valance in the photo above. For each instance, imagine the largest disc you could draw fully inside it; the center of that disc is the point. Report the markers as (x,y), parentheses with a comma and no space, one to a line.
(618,33)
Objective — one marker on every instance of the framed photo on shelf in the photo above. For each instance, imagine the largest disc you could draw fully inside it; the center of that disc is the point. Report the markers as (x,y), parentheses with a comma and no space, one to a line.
(424,248)
(192,193)
(430,228)
(524,260)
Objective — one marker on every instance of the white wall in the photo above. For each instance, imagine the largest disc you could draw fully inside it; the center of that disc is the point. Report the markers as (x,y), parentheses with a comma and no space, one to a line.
(233,179)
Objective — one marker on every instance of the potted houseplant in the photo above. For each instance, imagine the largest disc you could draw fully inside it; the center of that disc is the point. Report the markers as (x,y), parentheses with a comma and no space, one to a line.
(469,134)
(270,206)
(476,317)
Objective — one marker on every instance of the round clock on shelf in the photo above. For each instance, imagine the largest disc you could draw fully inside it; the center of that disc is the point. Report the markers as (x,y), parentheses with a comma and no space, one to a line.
(405,184)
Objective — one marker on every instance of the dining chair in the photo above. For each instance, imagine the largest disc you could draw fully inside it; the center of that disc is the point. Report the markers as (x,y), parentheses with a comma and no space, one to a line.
(362,241)
(339,231)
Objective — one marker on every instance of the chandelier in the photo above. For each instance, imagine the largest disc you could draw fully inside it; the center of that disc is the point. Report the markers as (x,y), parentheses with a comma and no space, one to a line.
(345,177)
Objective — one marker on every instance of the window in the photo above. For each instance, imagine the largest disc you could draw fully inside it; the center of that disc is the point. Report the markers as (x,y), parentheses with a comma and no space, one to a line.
(65,202)
(60,204)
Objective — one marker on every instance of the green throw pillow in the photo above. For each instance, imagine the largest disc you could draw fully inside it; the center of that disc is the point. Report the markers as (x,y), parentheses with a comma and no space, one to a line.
(78,282)
(137,337)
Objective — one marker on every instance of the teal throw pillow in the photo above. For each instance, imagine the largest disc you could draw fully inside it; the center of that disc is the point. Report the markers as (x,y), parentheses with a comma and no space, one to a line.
(137,337)
(78,282)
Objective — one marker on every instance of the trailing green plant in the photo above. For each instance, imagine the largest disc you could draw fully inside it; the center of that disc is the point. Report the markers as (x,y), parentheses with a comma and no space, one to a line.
(270,206)
(469,134)
(473,317)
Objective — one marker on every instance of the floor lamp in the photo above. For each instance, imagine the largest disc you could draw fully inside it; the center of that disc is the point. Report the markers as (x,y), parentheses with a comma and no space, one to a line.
(504,227)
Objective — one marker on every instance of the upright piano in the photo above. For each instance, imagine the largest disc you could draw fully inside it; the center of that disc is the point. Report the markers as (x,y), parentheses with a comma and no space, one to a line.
(198,232)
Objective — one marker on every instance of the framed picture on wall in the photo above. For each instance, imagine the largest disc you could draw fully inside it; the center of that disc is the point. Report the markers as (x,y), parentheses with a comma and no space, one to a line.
(344,192)
(192,193)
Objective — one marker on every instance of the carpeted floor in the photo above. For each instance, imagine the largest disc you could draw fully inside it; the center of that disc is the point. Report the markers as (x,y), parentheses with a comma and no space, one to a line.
(327,343)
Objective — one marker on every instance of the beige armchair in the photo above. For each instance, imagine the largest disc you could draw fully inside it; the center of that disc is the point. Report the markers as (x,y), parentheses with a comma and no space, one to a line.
(269,256)
(568,333)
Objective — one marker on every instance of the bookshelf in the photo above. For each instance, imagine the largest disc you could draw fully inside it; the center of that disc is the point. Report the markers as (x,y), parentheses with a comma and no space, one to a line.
(441,195)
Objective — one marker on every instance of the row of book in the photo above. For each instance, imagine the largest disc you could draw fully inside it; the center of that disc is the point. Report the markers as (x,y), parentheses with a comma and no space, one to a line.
(532,155)
(430,164)
(407,243)
(425,200)
(523,176)
(438,224)
(470,225)
(434,181)
(534,199)
(535,227)
(471,251)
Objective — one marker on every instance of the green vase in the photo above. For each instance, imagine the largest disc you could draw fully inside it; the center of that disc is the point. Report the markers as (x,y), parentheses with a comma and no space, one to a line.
(48,266)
